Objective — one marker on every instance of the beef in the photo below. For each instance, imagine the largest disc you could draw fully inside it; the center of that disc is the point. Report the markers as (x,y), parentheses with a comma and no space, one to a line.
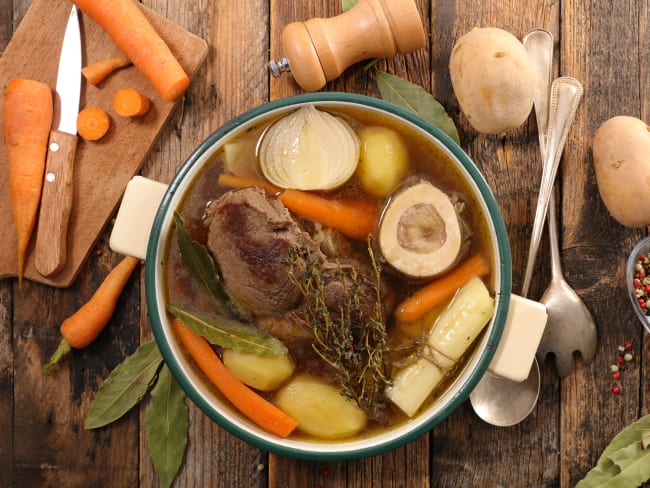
(249,236)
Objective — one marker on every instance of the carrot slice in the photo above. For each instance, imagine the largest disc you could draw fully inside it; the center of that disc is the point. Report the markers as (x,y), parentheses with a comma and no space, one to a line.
(354,218)
(127,25)
(263,413)
(27,120)
(434,293)
(128,102)
(96,72)
(93,123)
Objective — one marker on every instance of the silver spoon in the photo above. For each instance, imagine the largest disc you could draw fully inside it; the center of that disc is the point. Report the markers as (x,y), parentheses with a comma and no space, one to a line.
(496,400)
(570,327)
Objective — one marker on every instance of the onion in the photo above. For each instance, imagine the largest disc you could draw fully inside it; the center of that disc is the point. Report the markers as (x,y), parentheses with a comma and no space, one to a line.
(309,150)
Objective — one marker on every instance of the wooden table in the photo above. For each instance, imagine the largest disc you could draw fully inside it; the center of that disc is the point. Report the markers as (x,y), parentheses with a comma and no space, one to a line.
(603,44)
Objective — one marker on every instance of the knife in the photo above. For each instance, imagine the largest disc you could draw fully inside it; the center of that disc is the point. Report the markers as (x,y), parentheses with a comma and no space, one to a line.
(56,200)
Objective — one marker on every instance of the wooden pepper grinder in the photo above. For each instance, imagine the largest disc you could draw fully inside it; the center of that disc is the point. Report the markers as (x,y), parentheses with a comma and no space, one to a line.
(318,50)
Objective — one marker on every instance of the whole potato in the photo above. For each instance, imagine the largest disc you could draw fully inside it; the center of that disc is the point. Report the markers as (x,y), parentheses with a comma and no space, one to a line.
(493,79)
(621,152)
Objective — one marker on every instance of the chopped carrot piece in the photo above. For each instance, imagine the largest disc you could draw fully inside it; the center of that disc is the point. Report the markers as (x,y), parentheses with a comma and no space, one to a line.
(128,102)
(440,289)
(93,123)
(96,72)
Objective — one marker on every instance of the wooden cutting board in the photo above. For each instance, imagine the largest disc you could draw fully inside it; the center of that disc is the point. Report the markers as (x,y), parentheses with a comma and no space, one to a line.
(102,168)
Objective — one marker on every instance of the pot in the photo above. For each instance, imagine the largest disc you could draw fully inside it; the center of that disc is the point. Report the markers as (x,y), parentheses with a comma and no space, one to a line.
(192,381)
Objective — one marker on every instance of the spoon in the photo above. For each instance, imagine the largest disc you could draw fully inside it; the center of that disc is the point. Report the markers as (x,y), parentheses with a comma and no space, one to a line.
(496,400)
(569,327)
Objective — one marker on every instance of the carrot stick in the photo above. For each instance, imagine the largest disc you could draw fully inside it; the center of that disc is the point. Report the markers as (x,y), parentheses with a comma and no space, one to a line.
(127,102)
(93,123)
(127,25)
(96,72)
(440,289)
(263,413)
(232,181)
(354,218)
(27,120)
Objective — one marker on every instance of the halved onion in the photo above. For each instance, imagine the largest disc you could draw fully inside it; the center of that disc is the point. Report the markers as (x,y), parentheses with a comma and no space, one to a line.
(309,150)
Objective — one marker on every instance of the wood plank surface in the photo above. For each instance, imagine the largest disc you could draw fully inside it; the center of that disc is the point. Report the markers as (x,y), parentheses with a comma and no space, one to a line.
(603,44)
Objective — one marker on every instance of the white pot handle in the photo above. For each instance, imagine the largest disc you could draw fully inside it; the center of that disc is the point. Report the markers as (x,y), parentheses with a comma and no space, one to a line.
(135,216)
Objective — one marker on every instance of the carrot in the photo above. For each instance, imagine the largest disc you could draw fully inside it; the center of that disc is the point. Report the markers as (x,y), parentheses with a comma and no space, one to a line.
(27,121)
(82,327)
(96,72)
(127,25)
(93,123)
(354,218)
(263,413)
(440,289)
(127,102)
(232,181)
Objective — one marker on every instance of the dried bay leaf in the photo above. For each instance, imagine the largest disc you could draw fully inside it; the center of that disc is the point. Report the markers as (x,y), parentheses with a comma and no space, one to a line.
(199,263)
(413,97)
(125,386)
(166,425)
(229,333)
(347,4)
(624,462)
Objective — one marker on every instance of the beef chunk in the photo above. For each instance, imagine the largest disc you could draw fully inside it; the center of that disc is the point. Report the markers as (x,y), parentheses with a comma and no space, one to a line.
(249,236)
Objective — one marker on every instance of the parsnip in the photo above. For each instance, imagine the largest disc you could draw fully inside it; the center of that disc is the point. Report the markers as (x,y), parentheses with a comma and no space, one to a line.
(452,333)
(264,373)
(319,408)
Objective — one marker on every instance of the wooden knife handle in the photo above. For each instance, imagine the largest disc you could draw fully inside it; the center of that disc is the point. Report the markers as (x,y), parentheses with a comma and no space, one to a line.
(56,203)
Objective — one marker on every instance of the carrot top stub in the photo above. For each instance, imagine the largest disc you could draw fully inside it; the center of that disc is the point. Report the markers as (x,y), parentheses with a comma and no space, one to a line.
(132,32)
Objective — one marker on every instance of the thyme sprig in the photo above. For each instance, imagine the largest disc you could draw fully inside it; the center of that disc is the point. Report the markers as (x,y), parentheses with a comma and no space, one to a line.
(350,338)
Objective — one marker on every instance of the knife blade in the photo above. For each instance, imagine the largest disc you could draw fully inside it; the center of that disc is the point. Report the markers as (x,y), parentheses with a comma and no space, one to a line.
(56,201)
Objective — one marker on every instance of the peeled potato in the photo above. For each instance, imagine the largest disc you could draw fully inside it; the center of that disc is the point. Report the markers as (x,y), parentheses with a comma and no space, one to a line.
(493,79)
(383,161)
(264,373)
(621,152)
(319,408)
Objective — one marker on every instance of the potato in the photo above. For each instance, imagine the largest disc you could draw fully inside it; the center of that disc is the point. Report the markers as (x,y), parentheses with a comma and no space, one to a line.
(383,160)
(319,408)
(493,79)
(621,151)
(263,373)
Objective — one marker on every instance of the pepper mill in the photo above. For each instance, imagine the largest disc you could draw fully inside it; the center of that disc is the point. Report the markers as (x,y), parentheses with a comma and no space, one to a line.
(319,50)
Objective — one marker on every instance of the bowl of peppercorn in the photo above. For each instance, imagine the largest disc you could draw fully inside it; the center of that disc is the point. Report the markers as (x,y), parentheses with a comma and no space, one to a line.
(638,281)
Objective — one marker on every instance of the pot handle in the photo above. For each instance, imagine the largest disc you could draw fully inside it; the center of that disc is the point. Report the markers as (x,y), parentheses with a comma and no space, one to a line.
(521,336)
(130,235)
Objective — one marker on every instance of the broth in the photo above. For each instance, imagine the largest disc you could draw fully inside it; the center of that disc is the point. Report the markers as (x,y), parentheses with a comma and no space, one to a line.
(427,161)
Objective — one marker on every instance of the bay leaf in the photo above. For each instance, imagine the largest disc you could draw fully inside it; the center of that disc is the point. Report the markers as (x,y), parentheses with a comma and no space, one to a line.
(347,4)
(624,462)
(413,97)
(198,261)
(166,426)
(228,333)
(125,386)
